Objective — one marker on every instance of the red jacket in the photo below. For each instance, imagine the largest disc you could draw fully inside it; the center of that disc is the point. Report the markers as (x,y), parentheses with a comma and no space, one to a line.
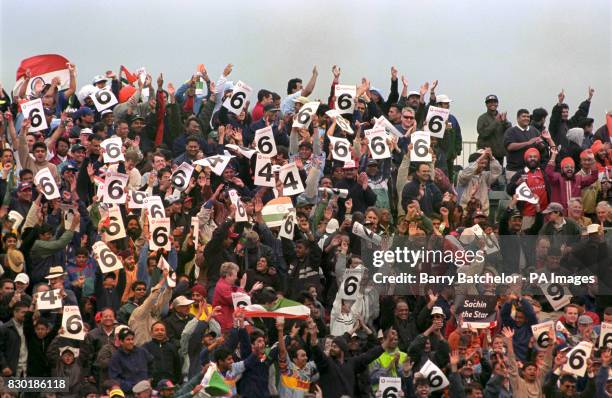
(223,298)
(563,189)
(258,112)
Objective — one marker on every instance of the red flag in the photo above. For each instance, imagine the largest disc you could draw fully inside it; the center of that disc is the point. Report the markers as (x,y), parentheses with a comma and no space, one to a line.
(43,68)
(129,77)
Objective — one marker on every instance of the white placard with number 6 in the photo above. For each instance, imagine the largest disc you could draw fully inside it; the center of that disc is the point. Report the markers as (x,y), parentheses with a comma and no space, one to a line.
(34,111)
(114,188)
(107,260)
(181,176)
(115,229)
(159,230)
(341,149)
(577,359)
(541,332)
(112,150)
(349,288)
(240,299)
(136,199)
(292,182)
(421,142)
(104,99)
(72,323)
(377,142)
(48,300)
(525,194)
(436,379)
(435,122)
(154,206)
(304,116)
(288,226)
(241,214)
(345,98)
(605,335)
(235,103)
(390,387)
(264,141)
(45,181)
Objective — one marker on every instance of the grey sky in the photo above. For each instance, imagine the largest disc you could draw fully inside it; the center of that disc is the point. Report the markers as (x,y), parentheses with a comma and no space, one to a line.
(524,51)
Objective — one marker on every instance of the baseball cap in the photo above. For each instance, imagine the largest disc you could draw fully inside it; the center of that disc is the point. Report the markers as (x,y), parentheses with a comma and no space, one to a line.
(141,386)
(116,393)
(181,300)
(84,111)
(332,226)
(98,79)
(350,165)
(24,186)
(86,130)
(437,311)
(301,99)
(23,278)
(106,112)
(585,320)
(164,384)
(77,147)
(443,99)
(411,93)
(516,213)
(553,206)
(491,97)
(271,108)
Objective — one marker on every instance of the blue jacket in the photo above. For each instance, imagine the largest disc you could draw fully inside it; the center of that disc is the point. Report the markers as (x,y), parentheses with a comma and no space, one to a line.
(522,334)
(128,368)
(280,137)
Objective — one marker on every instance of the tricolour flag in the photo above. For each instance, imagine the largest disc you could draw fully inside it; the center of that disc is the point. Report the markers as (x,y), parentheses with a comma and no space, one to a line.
(126,76)
(274,211)
(43,68)
(282,308)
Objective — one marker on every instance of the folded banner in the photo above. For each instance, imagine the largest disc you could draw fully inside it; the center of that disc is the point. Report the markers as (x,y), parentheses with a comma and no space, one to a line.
(274,211)
(284,307)
(43,68)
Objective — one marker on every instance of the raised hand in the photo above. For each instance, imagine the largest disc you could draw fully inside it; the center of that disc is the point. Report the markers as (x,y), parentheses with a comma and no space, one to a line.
(454,358)
(336,72)
(423,89)
(227,70)
(508,333)
(160,81)
(561,96)
(404,81)
(393,73)
(591,92)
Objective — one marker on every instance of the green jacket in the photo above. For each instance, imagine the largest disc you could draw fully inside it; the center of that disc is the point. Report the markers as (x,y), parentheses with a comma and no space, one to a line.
(45,248)
(491,133)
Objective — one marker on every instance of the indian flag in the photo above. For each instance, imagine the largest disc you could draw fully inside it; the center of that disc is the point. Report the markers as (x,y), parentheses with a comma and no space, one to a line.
(43,68)
(282,308)
(274,211)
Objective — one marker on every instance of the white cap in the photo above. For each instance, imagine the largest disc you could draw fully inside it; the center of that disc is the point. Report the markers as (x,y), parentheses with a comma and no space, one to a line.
(119,328)
(98,79)
(23,278)
(106,111)
(73,350)
(442,98)
(181,300)
(350,165)
(86,130)
(437,311)
(411,93)
(332,226)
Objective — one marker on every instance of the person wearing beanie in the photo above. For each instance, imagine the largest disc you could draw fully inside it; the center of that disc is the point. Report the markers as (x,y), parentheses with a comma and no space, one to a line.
(537,182)
(198,295)
(566,184)
(491,126)
(575,142)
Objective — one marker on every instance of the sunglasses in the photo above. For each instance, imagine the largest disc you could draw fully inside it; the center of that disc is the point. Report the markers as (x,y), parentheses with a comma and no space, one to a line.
(408,117)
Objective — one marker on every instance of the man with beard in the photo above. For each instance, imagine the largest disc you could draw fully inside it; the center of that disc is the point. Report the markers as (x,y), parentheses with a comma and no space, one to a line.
(602,159)
(566,185)
(536,181)
(588,194)
(338,373)
(139,291)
